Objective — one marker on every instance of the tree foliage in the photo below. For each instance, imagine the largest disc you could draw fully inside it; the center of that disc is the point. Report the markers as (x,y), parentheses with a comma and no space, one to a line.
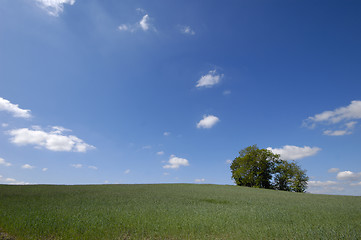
(261,168)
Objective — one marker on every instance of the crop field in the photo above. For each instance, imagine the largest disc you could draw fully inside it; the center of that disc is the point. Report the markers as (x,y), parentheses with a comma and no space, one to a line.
(174,211)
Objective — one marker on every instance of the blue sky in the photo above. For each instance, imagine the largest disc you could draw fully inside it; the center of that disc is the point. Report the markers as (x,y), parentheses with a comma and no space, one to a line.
(97,92)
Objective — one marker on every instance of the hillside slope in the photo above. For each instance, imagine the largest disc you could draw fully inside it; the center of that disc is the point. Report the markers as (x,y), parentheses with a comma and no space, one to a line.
(174,211)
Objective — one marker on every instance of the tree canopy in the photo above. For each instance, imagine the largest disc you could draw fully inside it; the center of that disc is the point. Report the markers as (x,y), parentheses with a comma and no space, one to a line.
(262,168)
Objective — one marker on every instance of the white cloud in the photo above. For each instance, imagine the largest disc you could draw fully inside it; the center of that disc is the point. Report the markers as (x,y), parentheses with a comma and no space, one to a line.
(127,171)
(352,111)
(209,79)
(333,170)
(187,30)
(207,121)
(123,27)
(336,132)
(54,7)
(228,161)
(349,128)
(6,105)
(176,162)
(53,140)
(293,152)
(147,147)
(3,162)
(349,176)
(78,165)
(199,180)
(44,169)
(356,184)
(321,184)
(166,133)
(4,125)
(337,116)
(144,23)
(93,167)
(160,153)
(10,180)
(27,166)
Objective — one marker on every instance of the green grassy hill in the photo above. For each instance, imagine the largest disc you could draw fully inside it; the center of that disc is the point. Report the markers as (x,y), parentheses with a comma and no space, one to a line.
(174,211)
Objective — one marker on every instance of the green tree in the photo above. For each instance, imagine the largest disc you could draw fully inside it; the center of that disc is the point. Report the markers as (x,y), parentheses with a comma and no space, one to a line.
(261,168)
(289,176)
(254,167)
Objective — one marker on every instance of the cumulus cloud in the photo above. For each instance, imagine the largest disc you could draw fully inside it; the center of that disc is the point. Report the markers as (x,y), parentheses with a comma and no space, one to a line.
(321,184)
(27,166)
(12,181)
(337,117)
(54,7)
(348,176)
(77,165)
(333,170)
(293,152)
(4,163)
(208,121)
(209,79)
(144,24)
(54,140)
(176,162)
(6,105)
(187,30)
(199,180)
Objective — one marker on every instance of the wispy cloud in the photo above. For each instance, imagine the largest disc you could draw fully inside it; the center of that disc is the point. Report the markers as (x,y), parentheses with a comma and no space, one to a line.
(27,166)
(200,180)
(210,79)
(176,162)
(208,121)
(166,133)
(54,7)
(93,167)
(76,165)
(333,170)
(187,30)
(144,24)
(127,171)
(293,152)
(336,117)
(160,153)
(6,105)
(4,163)
(54,140)
(227,92)
(44,169)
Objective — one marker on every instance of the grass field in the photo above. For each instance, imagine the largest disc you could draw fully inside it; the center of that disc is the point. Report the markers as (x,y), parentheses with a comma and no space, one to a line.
(174,211)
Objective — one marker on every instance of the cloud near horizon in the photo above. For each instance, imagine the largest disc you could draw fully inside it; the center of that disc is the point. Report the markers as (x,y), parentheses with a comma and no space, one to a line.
(6,105)
(176,162)
(53,140)
(289,152)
